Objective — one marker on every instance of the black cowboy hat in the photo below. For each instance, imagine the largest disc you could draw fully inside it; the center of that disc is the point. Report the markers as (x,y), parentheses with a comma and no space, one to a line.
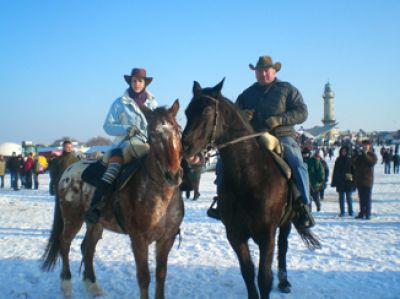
(138,73)
(265,62)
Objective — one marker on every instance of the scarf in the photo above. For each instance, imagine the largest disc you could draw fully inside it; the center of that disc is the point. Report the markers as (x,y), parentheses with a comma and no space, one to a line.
(140,98)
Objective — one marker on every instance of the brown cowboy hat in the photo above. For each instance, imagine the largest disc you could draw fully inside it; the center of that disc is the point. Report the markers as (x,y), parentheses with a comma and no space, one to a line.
(138,73)
(265,62)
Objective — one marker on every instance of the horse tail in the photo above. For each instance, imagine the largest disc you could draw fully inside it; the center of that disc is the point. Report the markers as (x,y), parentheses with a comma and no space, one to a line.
(309,239)
(52,251)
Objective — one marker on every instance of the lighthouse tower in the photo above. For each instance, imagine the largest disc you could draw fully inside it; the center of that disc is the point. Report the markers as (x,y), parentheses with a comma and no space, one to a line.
(329,114)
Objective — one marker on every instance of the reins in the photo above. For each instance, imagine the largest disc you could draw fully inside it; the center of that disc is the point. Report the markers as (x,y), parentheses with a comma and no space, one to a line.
(214,131)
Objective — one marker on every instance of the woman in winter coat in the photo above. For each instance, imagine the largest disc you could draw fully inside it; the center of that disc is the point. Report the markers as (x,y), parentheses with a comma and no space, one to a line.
(342,179)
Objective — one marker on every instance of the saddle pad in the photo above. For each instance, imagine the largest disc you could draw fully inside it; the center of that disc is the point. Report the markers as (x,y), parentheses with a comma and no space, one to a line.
(94,172)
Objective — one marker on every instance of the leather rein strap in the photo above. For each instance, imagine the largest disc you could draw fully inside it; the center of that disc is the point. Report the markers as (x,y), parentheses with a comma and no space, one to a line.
(214,131)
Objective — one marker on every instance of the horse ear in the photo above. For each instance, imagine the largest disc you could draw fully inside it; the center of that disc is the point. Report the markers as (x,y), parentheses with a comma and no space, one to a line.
(174,108)
(218,87)
(196,88)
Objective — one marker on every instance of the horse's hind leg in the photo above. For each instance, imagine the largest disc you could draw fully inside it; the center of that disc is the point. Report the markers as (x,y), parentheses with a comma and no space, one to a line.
(284,284)
(88,248)
(266,247)
(141,251)
(242,251)
(162,251)
(71,228)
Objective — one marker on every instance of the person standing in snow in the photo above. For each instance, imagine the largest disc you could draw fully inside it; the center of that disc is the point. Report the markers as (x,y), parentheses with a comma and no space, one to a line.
(343,180)
(364,161)
(59,164)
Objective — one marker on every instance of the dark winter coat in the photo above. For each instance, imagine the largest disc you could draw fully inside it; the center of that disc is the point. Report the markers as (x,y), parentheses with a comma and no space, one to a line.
(342,167)
(13,164)
(364,168)
(276,99)
(315,172)
(57,167)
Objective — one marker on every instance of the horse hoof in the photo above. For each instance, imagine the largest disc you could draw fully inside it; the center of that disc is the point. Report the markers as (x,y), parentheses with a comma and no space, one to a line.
(93,288)
(66,287)
(284,287)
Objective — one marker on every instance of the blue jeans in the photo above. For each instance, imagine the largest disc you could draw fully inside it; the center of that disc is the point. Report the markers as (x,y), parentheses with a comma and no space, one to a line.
(292,156)
(349,200)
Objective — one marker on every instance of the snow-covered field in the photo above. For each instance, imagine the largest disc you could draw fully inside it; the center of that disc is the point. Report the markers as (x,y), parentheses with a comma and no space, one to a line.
(359,258)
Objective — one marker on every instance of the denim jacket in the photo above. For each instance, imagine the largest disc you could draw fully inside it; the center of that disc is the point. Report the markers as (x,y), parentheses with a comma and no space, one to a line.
(125,113)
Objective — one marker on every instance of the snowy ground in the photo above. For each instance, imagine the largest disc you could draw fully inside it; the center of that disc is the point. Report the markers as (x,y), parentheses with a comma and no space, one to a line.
(359,259)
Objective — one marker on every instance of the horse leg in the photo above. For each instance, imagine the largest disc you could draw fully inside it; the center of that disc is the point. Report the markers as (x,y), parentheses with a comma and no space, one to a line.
(163,248)
(266,247)
(241,248)
(284,284)
(140,250)
(88,248)
(71,228)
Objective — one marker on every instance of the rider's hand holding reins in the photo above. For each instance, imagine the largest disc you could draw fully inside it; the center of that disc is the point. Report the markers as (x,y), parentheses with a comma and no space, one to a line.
(249,113)
(133,131)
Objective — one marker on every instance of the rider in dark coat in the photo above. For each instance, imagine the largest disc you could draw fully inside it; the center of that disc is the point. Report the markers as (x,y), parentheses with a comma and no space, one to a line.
(276,107)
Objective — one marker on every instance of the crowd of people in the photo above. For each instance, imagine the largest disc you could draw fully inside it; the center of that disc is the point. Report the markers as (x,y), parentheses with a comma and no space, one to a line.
(390,156)
(353,170)
(24,171)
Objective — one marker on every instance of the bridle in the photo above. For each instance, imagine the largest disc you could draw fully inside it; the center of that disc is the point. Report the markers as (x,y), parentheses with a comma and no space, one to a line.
(212,142)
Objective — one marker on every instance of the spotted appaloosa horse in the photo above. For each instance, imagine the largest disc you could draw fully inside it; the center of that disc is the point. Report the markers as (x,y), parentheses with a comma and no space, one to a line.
(150,206)
(254,192)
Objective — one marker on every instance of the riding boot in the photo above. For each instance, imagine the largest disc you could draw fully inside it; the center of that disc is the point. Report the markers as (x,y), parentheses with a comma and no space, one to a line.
(102,191)
(303,218)
(212,211)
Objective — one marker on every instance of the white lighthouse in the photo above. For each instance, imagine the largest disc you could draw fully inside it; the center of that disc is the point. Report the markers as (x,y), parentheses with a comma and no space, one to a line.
(329,114)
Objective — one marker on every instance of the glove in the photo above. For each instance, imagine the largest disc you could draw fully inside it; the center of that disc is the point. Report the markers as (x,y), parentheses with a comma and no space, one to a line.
(133,131)
(349,177)
(273,122)
(249,113)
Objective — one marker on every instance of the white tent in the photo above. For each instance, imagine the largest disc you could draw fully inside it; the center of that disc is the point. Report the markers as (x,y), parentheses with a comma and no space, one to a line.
(7,148)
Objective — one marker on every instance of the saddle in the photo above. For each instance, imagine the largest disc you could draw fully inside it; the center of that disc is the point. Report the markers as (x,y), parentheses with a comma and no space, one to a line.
(96,168)
(271,143)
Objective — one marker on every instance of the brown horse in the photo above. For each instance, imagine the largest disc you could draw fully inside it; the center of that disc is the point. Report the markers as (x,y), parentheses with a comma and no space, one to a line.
(254,192)
(151,209)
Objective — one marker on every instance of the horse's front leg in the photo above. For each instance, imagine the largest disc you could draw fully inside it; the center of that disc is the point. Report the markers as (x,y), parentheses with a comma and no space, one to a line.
(241,248)
(163,247)
(284,285)
(140,250)
(266,246)
(88,247)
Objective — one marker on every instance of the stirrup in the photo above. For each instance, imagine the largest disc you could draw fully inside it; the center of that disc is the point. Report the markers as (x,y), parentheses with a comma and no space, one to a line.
(213,212)
(303,218)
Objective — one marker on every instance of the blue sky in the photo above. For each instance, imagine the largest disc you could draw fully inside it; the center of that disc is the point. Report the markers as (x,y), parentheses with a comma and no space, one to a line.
(62,62)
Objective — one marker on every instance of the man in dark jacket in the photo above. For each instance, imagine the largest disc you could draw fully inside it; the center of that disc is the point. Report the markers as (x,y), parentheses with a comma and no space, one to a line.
(13,167)
(276,107)
(364,161)
(59,164)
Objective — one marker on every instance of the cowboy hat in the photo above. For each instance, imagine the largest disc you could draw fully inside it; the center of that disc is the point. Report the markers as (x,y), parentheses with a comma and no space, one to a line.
(265,62)
(138,73)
